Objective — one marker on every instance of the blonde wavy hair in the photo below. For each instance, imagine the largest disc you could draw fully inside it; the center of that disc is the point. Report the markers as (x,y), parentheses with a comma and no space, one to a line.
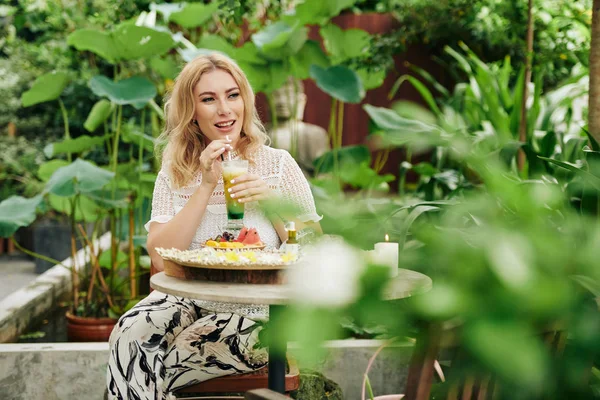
(181,141)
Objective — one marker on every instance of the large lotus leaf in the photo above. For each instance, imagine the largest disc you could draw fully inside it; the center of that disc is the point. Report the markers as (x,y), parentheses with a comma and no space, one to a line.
(310,54)
(318,11)
(126,42)
(280,40)
(257,76)
(78,177)
(342,44)
(249,53)
(86,210)
(46,170)
(167,9)
(97,42)
(136,91)
(218,43)
(165,67)
(371,80)
(194,14)
(347,155)
(339,82)
(45,88)
(17,211)
(99,113)
(78,145)
(110,199)
(278,75)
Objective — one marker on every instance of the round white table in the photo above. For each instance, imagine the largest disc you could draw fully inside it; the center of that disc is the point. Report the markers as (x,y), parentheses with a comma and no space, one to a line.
(405,284)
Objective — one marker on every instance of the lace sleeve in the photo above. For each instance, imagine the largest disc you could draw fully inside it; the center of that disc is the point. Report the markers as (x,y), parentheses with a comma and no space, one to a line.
(295,188)
(162,201)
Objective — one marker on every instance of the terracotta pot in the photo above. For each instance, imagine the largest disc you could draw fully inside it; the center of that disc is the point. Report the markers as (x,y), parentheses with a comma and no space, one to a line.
(85,329)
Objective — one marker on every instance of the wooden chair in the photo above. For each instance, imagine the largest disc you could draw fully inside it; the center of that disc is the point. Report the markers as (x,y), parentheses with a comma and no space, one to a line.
(224,387)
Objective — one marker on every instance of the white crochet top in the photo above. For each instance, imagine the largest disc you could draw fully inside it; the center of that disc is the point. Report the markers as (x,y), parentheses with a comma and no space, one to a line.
(281,173)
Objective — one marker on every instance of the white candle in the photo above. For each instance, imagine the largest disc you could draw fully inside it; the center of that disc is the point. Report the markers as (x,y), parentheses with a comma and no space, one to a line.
(386,253)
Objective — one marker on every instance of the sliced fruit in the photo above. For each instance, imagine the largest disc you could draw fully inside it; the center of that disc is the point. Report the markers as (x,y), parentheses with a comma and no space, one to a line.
(252,238)
(242,234)
(212,243)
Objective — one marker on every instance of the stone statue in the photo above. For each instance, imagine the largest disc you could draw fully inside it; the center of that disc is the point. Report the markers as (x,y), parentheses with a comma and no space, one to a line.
(306,142)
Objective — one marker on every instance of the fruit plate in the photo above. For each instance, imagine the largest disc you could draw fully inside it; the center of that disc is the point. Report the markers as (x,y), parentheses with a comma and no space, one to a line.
(246,247)
(242,259)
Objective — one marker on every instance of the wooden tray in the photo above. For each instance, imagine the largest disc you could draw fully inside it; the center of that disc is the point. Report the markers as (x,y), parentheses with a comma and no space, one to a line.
(183,266)
(234,275)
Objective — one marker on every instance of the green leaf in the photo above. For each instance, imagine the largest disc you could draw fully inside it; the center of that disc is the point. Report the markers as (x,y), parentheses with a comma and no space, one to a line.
(217,43)
(126,42)
(78,177)
(78,145)
(165,67)
(45,88)
(47,169)
(86,209)
(387,119)
(280,40)
(347,155)
(16,212)
(370,79)
(194,14)
(591,179)
(342,44)
(339,82)
(409,110)
(593,142)
(310,54)
(105,259)
(318,11)
(99,113)
(136,91)
(421,88)
(509,349)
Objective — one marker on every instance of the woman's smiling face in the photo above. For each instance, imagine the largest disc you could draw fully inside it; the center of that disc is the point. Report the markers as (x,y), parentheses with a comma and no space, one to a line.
(219,106)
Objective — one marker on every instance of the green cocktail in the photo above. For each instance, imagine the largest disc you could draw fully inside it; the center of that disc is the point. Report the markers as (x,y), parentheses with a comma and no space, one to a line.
(235,210)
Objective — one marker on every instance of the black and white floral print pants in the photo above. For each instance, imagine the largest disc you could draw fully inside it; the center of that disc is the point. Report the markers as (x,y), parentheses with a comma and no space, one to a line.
(166,343)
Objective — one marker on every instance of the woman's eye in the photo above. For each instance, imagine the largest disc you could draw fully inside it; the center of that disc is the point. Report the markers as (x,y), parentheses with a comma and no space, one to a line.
(233,95)
(207,99)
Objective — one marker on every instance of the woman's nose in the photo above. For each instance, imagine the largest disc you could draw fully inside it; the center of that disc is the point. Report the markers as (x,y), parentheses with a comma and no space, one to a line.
(223,108)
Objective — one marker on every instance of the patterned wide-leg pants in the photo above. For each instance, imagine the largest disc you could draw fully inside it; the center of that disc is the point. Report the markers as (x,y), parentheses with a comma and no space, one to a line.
(165,343)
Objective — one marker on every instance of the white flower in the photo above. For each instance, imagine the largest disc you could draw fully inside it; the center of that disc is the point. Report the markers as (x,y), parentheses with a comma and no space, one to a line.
(327,275)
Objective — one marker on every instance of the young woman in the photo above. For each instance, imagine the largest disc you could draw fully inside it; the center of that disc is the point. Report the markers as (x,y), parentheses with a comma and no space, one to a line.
(166,342)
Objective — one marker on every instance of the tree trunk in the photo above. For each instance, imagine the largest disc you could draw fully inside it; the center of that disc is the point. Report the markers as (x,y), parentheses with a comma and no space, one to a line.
(528,62)
(594,95)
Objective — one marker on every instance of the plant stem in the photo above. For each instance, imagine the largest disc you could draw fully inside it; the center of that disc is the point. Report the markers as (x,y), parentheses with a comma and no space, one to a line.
(65,116)
(132,264)
(529,56)
(34,254)
(116,140)
(157,110)
(74,269)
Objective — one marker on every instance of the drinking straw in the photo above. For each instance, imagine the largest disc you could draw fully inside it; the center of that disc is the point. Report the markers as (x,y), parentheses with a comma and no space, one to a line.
(229,152)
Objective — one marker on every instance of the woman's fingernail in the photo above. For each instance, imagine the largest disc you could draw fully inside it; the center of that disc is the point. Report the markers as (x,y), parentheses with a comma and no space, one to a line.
(233,181)
(223,149)
(229,190)
(232,196)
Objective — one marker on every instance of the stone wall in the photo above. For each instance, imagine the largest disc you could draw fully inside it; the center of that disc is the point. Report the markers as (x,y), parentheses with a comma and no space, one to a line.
(64,371)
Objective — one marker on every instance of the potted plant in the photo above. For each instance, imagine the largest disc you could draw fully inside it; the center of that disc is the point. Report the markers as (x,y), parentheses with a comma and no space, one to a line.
(105,285)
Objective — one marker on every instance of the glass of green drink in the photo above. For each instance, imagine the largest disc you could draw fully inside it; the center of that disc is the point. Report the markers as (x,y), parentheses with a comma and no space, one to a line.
(235,210)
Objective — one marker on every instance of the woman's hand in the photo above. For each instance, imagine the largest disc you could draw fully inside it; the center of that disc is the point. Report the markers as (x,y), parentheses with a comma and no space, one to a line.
(209,166)
(249,187)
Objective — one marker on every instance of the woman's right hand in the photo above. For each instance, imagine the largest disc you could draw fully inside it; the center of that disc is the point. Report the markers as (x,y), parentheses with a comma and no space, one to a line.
(209,165)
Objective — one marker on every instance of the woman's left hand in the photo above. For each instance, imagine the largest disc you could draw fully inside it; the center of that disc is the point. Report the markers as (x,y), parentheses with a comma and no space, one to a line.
(249,187)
